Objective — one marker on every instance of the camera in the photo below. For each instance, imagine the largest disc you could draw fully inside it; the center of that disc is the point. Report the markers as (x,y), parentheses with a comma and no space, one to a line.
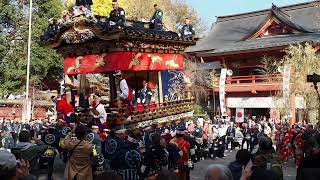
(315,78)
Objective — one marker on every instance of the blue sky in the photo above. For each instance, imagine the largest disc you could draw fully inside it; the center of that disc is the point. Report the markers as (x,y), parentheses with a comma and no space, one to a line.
(209,9)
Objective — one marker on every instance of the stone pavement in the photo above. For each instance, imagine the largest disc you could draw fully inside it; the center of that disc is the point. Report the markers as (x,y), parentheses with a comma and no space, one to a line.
(200,168)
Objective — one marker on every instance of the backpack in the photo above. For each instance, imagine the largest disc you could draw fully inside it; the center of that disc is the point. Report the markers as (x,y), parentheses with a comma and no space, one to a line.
(274,164)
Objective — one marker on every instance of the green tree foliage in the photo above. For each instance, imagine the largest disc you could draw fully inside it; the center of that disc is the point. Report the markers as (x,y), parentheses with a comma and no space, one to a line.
(99,7)
(46,63)
(175,12)
(13,49)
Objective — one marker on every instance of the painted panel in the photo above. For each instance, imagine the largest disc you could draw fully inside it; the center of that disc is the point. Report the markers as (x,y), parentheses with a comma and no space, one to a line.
(127,61)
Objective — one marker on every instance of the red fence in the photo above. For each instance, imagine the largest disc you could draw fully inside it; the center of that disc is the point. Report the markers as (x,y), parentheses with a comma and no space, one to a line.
(253,79)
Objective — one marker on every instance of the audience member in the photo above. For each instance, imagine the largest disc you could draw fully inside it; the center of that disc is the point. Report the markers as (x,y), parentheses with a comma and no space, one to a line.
(242,159)
(31,152)
(218,172)
(78,165)
(11,168)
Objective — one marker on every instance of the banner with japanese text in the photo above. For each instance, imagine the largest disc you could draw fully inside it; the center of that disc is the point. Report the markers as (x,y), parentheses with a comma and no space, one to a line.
(222,85)
(286,89)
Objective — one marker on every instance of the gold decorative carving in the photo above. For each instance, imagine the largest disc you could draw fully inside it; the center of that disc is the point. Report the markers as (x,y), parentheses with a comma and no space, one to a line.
(135,60)
(154,59)
(100,60)
(76,65)
(171,64)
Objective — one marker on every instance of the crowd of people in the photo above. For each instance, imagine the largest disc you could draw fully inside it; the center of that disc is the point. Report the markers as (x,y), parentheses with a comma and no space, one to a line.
(158,151)
(81,11)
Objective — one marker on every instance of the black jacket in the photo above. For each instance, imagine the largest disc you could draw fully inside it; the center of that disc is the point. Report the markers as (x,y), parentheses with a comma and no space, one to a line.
(309,168)
(83,2)
(235,169)
(157,16)
(263,174)
(187,30)
(118,15)
(32,153)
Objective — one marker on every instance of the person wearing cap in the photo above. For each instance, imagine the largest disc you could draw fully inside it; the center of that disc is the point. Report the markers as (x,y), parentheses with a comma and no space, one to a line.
(187,30)
(52,30)
(184,148)
(156,20)
(125,91)
(117,17)
(13,169)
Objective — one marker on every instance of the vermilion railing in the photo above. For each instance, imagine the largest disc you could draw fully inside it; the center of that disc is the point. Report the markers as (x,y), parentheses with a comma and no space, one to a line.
(253,79)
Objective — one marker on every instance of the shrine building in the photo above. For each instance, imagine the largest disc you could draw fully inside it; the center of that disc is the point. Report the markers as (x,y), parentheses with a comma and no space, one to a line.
(240,42)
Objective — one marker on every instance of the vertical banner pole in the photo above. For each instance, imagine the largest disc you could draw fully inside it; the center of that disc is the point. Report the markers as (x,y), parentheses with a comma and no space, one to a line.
(222,85)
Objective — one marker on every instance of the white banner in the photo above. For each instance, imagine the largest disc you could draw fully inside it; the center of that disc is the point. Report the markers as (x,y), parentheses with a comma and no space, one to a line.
(222,85)
(250,102)
(239,115)
(286,88)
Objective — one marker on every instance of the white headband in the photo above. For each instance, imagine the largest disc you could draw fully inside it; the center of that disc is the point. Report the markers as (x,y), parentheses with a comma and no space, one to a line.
(130,139)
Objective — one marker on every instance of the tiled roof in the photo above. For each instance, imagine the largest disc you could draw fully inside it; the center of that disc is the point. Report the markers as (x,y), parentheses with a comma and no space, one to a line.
(268,42)
(228,33)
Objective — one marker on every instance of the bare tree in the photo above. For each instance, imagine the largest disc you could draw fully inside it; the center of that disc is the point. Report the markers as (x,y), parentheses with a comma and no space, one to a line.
(303,60)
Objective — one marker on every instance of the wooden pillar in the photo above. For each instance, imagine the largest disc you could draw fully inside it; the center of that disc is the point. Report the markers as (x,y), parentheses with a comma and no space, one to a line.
(68,81)
(113,88)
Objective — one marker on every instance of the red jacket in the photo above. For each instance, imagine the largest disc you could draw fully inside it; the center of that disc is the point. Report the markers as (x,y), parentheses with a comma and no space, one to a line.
(64,107)
(184,146)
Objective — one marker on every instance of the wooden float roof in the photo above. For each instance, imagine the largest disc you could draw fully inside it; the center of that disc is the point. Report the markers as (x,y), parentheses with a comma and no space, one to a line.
(80,38)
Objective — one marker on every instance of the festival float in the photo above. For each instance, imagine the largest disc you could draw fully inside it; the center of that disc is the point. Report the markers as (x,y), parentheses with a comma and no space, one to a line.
(91,57)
